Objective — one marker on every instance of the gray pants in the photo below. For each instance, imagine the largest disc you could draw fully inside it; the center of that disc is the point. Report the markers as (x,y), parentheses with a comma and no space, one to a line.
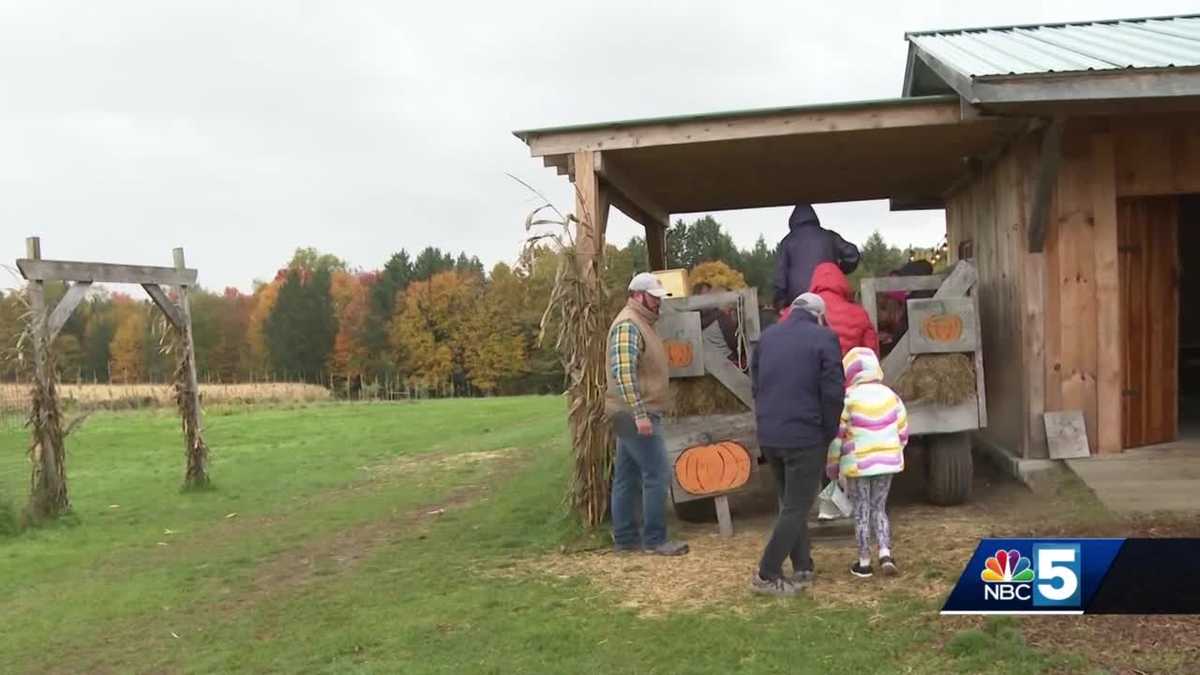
(798,478)
(870,511)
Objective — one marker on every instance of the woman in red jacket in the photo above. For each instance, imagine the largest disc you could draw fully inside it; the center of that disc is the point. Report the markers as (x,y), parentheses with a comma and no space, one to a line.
(847,319)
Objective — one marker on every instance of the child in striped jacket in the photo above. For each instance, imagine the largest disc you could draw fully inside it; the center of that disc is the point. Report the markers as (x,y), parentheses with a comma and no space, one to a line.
(868,450)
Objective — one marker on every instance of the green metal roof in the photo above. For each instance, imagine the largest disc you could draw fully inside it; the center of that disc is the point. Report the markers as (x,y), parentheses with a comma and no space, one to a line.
(1119,44)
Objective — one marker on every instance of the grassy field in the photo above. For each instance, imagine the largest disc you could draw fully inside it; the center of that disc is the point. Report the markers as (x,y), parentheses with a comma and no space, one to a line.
(396,538)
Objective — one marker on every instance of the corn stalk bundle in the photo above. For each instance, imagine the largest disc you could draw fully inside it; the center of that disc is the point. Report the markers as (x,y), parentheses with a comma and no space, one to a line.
(577,314)
(47,452)
(174,343)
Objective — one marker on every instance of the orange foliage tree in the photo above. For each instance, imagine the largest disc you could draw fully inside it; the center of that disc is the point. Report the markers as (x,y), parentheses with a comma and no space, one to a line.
(350,355)
(129,342)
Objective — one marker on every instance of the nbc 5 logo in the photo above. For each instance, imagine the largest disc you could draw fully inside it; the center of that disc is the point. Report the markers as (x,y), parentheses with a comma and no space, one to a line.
(1059,573)
(1051,579)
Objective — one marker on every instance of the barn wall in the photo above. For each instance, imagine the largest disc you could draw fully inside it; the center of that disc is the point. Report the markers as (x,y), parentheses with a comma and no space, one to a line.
(1102,160)
(989,213)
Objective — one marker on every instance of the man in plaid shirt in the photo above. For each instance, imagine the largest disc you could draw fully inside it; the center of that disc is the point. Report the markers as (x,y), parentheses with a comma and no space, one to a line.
(636,399)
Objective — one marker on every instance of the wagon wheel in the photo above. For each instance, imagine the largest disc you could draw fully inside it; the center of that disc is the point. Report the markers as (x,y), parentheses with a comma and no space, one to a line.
(950,469)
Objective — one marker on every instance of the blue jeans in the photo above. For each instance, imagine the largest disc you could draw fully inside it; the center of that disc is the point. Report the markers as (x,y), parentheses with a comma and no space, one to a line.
(639,475)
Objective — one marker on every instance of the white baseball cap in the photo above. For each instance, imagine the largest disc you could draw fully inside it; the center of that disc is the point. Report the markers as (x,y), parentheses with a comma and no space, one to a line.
(647,283)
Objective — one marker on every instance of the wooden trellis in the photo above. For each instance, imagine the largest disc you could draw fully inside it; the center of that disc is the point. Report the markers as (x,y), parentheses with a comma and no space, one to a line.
(49,492)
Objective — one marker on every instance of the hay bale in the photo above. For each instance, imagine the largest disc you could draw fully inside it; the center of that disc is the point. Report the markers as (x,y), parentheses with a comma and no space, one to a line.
(703,396)
(945,379)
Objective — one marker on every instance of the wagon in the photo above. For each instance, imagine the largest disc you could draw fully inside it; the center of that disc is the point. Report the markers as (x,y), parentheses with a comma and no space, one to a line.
(945,323)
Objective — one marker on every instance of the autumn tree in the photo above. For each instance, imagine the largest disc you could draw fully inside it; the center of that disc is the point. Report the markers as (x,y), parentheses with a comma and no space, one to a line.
(498,331)
(129,343)
(350,292)
(429,329)
(263,303)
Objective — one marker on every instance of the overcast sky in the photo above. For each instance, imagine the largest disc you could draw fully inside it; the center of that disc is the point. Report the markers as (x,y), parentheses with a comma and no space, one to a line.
(241,130)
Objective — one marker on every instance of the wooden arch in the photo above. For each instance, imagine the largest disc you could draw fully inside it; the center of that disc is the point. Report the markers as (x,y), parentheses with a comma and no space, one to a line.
(49,490)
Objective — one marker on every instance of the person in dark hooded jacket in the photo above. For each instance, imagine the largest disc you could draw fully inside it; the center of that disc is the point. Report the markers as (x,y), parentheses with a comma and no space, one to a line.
(843,316)
(806,246)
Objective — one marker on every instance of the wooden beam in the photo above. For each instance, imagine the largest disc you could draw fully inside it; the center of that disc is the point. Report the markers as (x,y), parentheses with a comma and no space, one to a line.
(67,270)
(1039,211)
(619,180)
(170,309)
(58,318)
(1108,294)
(996,92)
(761,124)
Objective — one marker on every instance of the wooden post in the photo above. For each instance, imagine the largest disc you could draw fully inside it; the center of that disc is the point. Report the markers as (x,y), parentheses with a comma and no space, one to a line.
(48,494)
(656,245)
(724,519)
(197,452)
(1108,294)
(591,213)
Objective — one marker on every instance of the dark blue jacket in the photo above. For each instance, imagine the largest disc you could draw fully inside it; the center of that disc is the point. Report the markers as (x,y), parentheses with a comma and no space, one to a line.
(806,246)
(796,372)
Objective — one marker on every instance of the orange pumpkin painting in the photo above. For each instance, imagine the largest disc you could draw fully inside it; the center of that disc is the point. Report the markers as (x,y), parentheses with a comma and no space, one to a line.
(943,328)
(679,354)
(715,468)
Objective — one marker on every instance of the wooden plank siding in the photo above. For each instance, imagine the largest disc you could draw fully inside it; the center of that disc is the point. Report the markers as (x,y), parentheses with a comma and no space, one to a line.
(988,212)
(1054,334)
(1076,281)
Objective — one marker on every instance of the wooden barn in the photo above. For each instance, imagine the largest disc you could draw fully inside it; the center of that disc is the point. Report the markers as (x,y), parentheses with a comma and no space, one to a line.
(1067,159)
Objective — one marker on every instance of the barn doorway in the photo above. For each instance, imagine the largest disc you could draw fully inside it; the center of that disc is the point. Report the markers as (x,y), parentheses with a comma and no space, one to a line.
(1158,240)
(1189,321)
(1148,255)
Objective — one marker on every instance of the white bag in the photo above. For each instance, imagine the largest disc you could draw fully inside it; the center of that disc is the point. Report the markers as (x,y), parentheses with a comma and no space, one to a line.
(833,503)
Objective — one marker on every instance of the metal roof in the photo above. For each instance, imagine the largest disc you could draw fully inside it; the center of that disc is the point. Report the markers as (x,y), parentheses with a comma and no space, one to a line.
(1162,42)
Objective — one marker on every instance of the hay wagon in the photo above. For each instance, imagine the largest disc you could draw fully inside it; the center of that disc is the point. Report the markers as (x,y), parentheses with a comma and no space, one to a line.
(715,454)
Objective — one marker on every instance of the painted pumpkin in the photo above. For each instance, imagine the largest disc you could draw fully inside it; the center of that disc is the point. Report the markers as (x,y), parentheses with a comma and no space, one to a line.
(711,469)
(943,328)
(679,354)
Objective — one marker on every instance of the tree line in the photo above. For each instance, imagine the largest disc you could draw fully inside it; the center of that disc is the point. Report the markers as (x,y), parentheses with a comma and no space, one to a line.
(436,318)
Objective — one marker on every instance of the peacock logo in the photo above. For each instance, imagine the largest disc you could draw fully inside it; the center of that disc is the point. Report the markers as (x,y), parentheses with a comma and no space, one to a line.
(1007,567)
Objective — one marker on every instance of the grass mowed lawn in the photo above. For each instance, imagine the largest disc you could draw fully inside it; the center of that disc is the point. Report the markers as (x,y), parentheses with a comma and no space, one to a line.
(388,538)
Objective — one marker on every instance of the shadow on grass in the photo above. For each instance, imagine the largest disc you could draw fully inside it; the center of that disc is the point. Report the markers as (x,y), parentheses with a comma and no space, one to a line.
(10,524)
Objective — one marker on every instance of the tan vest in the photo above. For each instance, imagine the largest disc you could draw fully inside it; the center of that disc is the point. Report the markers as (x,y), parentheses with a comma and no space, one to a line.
(652,367)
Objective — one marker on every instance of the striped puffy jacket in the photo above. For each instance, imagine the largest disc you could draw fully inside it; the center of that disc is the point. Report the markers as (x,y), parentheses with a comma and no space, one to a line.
(874,425)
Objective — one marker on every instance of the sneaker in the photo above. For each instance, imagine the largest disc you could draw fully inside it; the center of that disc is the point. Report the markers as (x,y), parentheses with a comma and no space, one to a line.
(803,578)
(860,571)
(889,566)
(777,587)
(668,548)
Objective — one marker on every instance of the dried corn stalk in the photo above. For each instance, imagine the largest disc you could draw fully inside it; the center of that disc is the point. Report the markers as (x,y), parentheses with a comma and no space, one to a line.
(47,452)
(175,343)
(577,313)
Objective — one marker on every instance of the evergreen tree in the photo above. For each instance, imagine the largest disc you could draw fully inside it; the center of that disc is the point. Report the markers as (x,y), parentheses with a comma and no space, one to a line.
(301,327)
(431,261)
(381,303)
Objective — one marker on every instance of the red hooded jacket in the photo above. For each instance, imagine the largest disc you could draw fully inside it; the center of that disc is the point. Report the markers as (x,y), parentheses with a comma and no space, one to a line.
(847,319)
